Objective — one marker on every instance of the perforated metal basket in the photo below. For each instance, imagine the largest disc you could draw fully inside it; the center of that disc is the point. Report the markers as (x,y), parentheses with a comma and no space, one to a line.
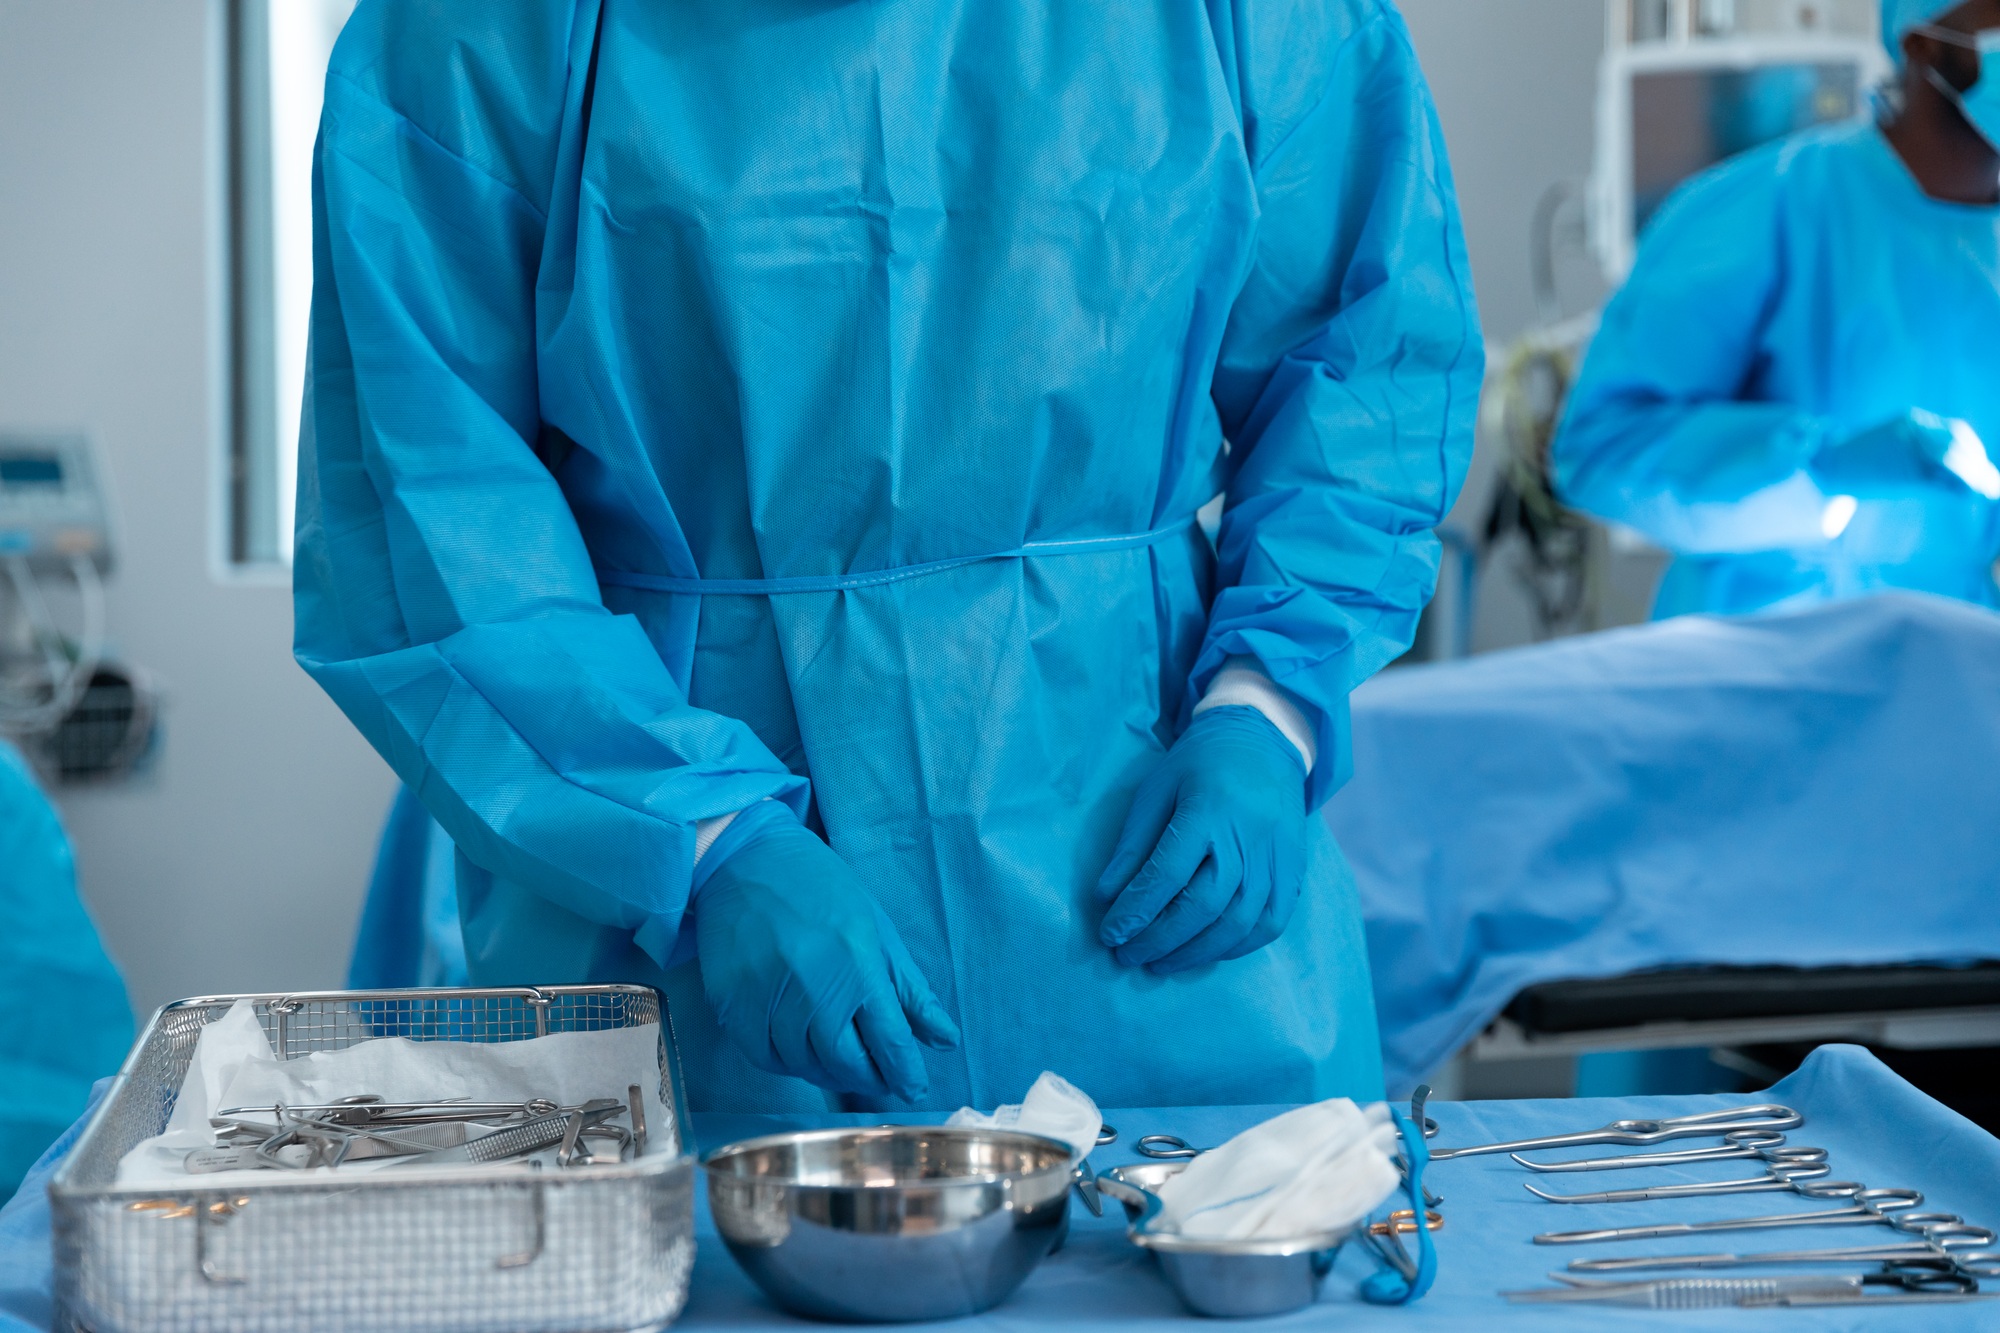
(474,1250)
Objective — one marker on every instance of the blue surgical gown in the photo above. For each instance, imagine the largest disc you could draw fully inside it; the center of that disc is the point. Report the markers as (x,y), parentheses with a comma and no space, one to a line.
(69,1022)
(1799,294)
(812,401)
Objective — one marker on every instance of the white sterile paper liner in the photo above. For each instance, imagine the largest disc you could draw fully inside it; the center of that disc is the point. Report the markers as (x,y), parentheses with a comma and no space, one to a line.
(234,1066)
(1319,1168)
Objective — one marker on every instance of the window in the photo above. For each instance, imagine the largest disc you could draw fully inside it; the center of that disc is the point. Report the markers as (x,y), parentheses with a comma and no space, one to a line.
(276,57)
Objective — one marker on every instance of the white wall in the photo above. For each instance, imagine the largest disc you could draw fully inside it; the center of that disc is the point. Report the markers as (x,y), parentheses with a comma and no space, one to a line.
(239,864)
(1516,88)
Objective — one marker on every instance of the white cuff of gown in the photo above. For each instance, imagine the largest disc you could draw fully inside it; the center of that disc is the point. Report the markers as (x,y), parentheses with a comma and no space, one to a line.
(706,831)
(1241,682)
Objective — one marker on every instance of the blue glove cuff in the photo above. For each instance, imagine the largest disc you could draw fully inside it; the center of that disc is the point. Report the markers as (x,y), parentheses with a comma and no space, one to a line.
(1244,723)
(748,826)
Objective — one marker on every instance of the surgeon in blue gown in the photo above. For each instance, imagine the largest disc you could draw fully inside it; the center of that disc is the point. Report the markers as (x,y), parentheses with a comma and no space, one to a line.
(749,494)
(1796,389)
(69,1020)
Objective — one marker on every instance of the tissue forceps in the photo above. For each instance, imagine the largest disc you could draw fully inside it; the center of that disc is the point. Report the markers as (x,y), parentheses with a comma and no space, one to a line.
(1640,1133)
(1867,1207)
(1906,1283)
(1778,1175)
(1959,1246)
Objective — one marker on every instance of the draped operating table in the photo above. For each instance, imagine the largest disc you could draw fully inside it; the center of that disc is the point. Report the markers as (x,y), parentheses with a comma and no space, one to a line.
(1811,789)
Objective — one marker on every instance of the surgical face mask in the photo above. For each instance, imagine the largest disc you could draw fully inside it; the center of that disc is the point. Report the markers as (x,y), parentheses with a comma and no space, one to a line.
(1980,103)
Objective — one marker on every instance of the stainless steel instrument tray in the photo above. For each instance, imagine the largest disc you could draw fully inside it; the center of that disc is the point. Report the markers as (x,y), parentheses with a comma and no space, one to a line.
(495,1249)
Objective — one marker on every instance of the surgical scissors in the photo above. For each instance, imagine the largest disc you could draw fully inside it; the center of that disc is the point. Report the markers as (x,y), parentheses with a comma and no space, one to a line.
(1867,1207)
(1737,1144)
(1086,1179)
(1166,1148)
(1781,1174)
(1640,1133)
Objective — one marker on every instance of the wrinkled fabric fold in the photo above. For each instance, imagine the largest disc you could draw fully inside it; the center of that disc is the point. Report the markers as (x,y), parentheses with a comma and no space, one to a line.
(765,300)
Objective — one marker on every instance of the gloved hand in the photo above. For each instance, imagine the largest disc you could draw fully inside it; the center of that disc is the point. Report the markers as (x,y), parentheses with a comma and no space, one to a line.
(805,972)
(1906,455)
(1213,852)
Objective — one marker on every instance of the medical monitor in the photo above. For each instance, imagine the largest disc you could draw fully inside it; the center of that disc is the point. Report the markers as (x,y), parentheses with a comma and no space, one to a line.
(1669,111)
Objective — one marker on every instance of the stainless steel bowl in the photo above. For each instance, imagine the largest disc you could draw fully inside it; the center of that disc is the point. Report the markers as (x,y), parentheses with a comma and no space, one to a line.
(898,1223)
(1226,1279)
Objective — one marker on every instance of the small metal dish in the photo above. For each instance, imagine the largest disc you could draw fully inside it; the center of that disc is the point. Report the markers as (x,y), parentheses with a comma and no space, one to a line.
(902,1222)
(1224,1279)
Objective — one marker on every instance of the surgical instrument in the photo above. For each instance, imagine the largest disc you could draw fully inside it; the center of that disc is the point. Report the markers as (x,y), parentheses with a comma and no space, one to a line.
(355,1128)
(1640,1133)
(1764,1143)
(1962,1246)
(1777,1176)
(1404,1222)
(1166,1148)
(1868,1207)
(1702,1293)
(1086,1178)
(1428,1128)
(369,1109)
(530,1136)
(637,1102)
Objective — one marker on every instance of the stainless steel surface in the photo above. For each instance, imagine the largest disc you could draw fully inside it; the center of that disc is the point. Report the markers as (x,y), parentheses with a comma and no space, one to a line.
(897,1223)
(1166,1148)
(1868,1207)
(635,1102)
(1755,1293)
(1778,1175)
(530,1136)
(1765,1144)
(1691,1293)
(1639,1133)
(471,1249)
(1962,1246)
(1086,1188)
(1228,1279)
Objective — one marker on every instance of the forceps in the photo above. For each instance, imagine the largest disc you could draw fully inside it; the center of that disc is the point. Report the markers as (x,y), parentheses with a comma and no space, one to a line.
(1640,1133)
(1908,1283)
(1867,1206)
(1737,1144)
(1086,1179)
(1779,1174)
(1959,1246)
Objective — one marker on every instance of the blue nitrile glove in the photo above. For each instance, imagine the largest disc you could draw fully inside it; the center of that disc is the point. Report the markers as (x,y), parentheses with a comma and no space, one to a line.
(1900,457)
(1213,852)
(804,971)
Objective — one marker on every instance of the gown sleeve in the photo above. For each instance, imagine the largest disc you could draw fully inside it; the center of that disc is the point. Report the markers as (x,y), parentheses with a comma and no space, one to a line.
(1348,382)
(1661,432)
(443,593)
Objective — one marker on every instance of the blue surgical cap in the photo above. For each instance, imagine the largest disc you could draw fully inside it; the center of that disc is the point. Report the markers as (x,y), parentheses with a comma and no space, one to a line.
(1899,16)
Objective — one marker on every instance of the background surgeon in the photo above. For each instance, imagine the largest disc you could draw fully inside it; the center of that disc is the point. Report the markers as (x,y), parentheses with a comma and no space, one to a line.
(752,456)
(1795,389)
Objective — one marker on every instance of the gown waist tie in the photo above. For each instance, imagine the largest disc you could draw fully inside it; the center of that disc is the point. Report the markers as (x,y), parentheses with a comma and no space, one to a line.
(621,578)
